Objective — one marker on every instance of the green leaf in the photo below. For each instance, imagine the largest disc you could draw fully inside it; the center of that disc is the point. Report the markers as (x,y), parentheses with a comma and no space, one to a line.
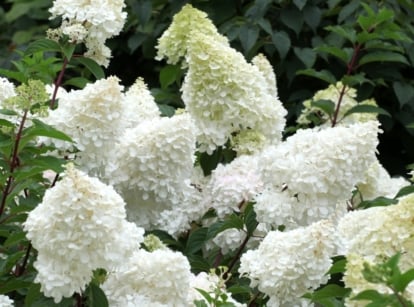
(306,55)
(405,191)
(6,123)
(403,280)
(8,112)
(68,50)
(383,56)
(198,263)
(327,106)
(300,3)
(205,294)
(96,297)
(265,25)
(33,294)
(78,82)
(357,79)
(14,284)
(404,92)
(348,10)
(313,16)
(196,240)
(41,129)
(343,31)
(338,267)
(366,108)
(323,74)
(136,40)
(200,303)
(282,43)
(233,221)
(248,36)
(335,51)
(292,18)
(169,74)
(42,45)
(377,202)
(331,290)
(371,295)
(14,238)
(91,65)
(250,219)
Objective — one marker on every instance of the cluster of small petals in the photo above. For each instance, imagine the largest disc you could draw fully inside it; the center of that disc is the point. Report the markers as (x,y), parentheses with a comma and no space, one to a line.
(210,283)
(7,90)
(380,231)
(174,42)
(289,264)
(264,66)
(225,95)
(375,234)
(5,301)
(155,156)
(162,277)
(378,182)
(139,104)
(317,169)
(348,101)
(92,117)
(91,22)
(233,184)
(78,227)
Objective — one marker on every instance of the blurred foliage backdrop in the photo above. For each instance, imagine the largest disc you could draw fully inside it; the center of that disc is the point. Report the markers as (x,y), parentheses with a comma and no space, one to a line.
(299,37)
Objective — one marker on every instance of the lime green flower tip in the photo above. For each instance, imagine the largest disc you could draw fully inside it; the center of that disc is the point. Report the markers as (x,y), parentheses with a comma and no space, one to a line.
(29,96)
(152,243)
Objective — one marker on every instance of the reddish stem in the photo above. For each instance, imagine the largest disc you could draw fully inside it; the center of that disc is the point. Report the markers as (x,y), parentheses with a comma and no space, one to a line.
(13,164)
(58,82)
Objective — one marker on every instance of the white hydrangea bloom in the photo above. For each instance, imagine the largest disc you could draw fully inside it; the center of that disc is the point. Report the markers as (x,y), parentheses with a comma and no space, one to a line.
(5,301)
(289,264)
(348,101)
(374,234)
(152,167)
(378,182)
(7,90)
(78,227)
(222,92)
(226,95)
(139,104)
(210,283)
(162,277)
(232,185)
(92,22)
(316,169)
(93,117)
(262,63)
(174,42)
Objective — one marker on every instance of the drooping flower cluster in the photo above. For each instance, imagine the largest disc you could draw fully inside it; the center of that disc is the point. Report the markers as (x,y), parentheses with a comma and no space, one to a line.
(313,170)
(79,226)
(289,264)
(92,23)
(158,278)
(374,234)
(222,92)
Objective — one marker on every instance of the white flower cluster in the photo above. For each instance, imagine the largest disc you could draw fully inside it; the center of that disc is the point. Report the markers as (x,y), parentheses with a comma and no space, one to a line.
(79,226)
(314,170)
(92,23)
(93,118)
(375,234)
(5,301)
(222,92)
(231,185)
(289,264)
(378,182)
(7,90)
(158,278)
(151,168)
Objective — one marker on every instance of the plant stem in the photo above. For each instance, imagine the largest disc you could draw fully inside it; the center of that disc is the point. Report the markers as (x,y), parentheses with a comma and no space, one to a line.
(350,68)
(21,268)
(237,256)
(14,162)
(58,82)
